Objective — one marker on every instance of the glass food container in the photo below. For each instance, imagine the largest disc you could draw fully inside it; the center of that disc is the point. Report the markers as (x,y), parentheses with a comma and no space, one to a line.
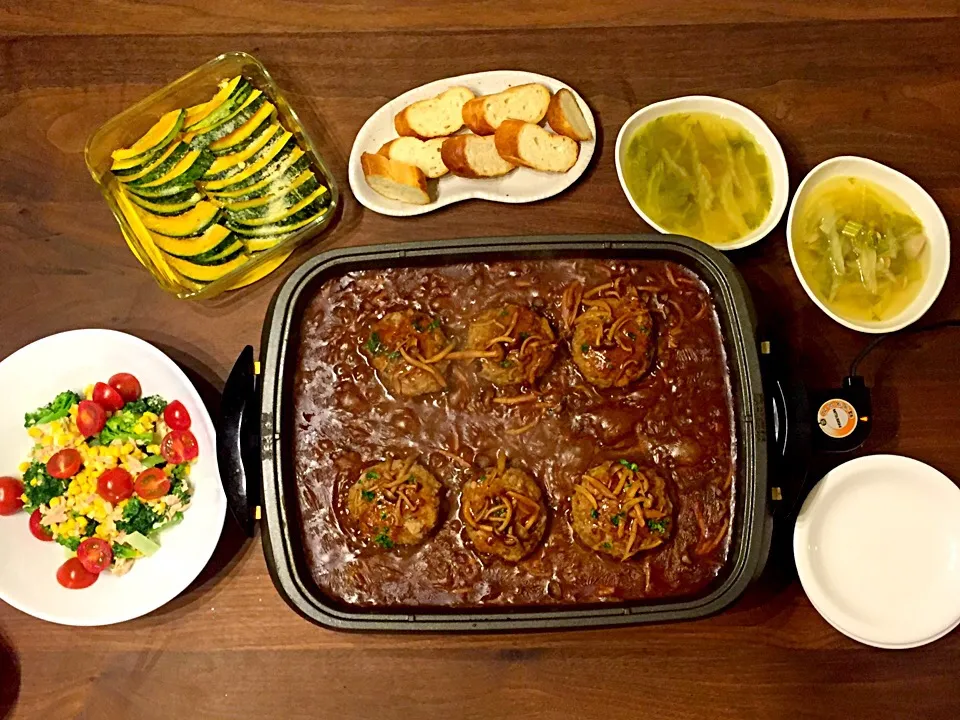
(196,87)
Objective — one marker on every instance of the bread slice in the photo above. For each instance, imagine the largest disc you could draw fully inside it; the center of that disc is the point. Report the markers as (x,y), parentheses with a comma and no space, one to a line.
(528,102)
(394,179)
(435,117)
(566,117)
(474,156)
(425,154)
(524,143)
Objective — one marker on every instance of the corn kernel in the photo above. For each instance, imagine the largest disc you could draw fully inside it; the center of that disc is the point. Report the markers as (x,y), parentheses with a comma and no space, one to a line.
(99,514)
(46,440)
(126,449)
(153,449)
(152,417)
(139,428)
(24,498)
(94,451)
(34,482)
(81,523)
(61,439)
(54,501)
(88,392)
(74,410)
(35,432)
(186,470)
(24,466)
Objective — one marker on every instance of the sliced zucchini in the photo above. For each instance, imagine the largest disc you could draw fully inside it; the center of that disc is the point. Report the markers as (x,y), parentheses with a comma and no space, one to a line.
(254,102)
(220,255)
(287,177)
(226,166)
(207,273)
(246,133)
(215,236)
(166,162)
(152,142)
(220,106)
(293,222)
(262,244)
(280,213)
(192,222)
(159,206)
(272,204)
(188,170)
(269,164)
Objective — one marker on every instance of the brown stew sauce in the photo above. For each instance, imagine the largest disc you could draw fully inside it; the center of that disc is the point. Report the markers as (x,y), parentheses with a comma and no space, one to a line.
(676,420)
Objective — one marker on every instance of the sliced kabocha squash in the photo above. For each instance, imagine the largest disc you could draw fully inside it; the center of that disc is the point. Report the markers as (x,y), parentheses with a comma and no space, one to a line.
(152,142)
(181,177)
(165,162)
(277,182)
(216,237)
(207,273)
(256,245)
(295,221)
(269,163)
(138,172)
(279,213)
(220,106)
(254,101)
(278,187)
(226,166)
(275,203)
(247,133)
(192,222)
(169,205)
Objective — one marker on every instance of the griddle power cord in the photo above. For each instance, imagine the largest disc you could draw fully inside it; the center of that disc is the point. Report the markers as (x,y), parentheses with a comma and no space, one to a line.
(872,345)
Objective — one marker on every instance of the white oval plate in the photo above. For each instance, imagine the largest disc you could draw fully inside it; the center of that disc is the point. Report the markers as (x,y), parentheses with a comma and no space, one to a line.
(919,201)
(30,378)
(522,185)
(877,547)
(747,119)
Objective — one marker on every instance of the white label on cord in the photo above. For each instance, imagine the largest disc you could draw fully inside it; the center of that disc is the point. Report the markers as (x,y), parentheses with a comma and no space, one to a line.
(837,418)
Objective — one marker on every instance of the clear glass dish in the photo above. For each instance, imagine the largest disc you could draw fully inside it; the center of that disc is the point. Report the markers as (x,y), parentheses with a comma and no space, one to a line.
(196,87)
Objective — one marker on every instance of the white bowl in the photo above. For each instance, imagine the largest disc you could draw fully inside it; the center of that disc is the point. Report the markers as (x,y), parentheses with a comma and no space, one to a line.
(522,185)
(30,378)
(923,206)
(749,120)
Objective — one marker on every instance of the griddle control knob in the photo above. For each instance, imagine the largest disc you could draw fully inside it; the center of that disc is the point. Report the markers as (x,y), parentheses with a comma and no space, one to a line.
(843,416)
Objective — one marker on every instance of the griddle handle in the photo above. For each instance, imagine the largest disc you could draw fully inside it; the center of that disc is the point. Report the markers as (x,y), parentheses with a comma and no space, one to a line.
(238,446)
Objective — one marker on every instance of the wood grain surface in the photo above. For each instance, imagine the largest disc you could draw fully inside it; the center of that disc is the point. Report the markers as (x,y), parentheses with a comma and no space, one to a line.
(880,79)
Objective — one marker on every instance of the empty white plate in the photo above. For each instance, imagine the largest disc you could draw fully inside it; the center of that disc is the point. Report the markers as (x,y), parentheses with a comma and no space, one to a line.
(522,185)
(877,546)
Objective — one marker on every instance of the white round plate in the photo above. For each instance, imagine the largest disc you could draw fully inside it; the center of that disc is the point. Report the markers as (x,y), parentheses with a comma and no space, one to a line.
(747,119)
(919,201)
(877,547)
(522,185)
(32,377)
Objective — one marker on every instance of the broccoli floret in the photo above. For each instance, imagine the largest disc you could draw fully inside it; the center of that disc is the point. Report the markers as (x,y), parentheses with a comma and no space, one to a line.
(152,403)
(138,517)
(124,551)
(178,483)
(47,487)
(60,407)
(120,427)
(71,543)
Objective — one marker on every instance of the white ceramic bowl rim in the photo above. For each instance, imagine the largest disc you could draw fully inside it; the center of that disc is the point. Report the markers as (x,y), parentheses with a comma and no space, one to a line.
(741,114)
(934,226)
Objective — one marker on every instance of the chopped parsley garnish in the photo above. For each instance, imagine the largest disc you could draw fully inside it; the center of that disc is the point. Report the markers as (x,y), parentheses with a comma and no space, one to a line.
(395,355)
(615,519)
(368,495)
(606,546)
(498,513)
(417,326)
(645,329)
(506,364)
(632,336)
(374,345)
(629,465)
(504,313)
(594,514)
(658,526)
(410,480)
(585,348)
(434,324)
(523,336)
(383,515)
(383,540)
(372,475)
(482,478)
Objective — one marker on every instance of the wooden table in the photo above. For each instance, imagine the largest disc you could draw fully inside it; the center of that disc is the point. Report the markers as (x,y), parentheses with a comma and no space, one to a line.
(878,79)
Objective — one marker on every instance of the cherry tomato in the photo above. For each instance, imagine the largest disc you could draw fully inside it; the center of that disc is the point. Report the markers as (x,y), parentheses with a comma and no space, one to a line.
(179,446)
(10,491)
(64,464)
(74,576)
(106,397)
(127,385)
(115,485)
(176,416)
(152,484)
(40,532)
(90,418)
(95,555)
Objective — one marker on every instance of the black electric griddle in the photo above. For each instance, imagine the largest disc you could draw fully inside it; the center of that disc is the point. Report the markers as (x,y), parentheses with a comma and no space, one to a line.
(771,417)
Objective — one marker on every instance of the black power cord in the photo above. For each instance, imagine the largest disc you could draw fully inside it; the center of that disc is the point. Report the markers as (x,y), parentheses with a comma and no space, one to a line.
(899,333)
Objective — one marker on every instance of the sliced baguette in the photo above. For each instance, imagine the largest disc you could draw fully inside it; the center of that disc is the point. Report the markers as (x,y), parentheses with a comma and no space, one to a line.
(474,156)
(566,118)
(524,143)
(394,179)
(434,117)
(528,102)
(425,154)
